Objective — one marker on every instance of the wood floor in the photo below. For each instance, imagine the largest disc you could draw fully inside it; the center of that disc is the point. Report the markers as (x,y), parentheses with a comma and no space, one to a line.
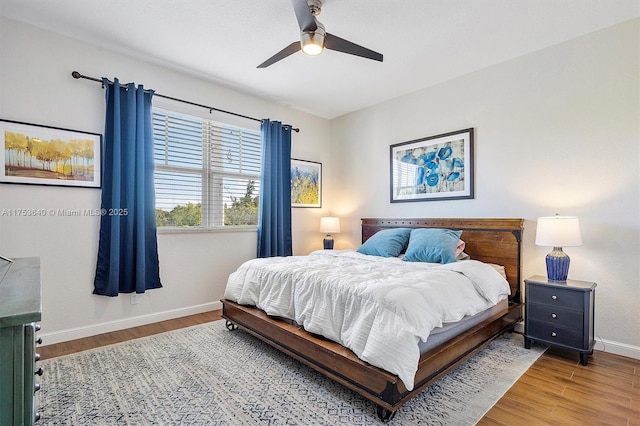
(556,390)
(66,348)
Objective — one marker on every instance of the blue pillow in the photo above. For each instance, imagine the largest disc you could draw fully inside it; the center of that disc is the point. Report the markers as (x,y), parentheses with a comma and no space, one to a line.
(432,245)
(386,243)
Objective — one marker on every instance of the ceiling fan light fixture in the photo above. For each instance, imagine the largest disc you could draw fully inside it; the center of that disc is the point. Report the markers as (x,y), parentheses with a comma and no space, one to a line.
(312,43)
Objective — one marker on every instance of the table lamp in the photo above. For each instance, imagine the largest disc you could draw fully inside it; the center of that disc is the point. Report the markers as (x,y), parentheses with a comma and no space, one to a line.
(329,225)
(557,232)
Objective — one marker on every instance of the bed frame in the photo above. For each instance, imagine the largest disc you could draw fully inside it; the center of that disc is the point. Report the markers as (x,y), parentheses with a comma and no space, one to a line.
(489,240)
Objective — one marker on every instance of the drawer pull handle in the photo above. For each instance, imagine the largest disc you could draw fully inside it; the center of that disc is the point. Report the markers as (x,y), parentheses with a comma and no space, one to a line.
(554,297)
(554,316)
(553,334)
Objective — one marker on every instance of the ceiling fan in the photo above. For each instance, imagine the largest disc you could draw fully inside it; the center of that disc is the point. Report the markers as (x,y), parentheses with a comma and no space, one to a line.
(314,39)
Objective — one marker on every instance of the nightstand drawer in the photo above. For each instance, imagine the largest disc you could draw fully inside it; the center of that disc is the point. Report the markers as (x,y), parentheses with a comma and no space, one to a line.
(555,334)
(556,296)
(555,315)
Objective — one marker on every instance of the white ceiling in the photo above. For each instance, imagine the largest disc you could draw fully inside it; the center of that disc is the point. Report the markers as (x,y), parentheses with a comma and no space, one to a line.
(424,42)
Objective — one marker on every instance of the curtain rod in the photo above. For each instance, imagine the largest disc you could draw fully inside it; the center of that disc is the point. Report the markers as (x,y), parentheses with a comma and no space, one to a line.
(77,75)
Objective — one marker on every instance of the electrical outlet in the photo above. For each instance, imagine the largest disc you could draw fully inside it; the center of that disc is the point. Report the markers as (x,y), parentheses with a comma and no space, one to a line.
(134,298)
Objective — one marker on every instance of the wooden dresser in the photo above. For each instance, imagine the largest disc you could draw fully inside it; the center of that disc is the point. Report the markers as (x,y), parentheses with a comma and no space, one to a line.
(20,309)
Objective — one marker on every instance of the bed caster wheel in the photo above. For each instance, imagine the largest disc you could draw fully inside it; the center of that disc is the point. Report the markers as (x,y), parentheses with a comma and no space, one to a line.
(230,326)
(384,414)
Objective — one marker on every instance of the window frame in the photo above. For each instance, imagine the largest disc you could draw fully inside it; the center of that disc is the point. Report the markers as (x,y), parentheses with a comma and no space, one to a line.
(210,173)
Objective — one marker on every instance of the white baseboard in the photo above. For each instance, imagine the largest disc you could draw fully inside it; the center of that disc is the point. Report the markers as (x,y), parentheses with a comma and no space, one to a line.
(519,328)
(106,327)
(618,348)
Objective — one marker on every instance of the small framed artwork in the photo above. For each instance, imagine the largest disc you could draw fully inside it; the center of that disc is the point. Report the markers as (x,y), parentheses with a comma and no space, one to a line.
(306,183)
(44,155)
(433,168)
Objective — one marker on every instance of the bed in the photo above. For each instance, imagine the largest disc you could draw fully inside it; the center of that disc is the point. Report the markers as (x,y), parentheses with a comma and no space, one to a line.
(491,241)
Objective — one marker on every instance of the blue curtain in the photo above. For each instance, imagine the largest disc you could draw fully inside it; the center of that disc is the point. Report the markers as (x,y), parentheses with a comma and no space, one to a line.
(128,247)
(274,213)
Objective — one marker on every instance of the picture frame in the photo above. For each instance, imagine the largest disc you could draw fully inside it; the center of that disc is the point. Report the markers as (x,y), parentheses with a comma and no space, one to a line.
(434,168)
(306,183)
(45,155)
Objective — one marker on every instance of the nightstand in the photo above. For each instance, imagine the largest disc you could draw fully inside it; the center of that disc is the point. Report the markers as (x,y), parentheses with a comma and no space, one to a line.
(560,314)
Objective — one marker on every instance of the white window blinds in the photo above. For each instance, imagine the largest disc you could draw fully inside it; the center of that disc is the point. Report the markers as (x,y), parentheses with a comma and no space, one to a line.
(207,173)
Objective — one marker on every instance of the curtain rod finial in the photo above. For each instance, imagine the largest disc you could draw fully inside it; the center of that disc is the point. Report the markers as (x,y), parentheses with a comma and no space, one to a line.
(76,74)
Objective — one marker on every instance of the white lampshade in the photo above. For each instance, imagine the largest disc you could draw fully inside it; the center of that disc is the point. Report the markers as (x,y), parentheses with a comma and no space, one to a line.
(558,231)
(330,225)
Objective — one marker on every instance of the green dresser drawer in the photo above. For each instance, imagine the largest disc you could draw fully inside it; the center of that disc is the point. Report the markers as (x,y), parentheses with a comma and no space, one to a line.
(19,312)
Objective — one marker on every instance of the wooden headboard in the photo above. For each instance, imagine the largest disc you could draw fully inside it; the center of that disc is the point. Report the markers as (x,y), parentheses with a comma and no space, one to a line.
(496,241)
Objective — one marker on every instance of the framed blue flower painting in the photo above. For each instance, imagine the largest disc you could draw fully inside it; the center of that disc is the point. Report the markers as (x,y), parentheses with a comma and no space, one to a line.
(433,168)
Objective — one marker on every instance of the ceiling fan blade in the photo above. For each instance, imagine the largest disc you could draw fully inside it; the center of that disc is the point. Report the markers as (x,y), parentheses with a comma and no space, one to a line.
(289,50)
(306,20)
(341,45)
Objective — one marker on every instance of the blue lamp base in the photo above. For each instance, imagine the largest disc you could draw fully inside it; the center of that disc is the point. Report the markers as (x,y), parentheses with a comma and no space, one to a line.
(557,265)
(328,242)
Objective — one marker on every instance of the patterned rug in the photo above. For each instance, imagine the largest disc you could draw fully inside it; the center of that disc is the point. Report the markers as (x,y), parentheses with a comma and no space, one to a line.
(207,375)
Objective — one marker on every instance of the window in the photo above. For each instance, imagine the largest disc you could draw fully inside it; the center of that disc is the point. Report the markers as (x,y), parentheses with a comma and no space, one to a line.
(207,173)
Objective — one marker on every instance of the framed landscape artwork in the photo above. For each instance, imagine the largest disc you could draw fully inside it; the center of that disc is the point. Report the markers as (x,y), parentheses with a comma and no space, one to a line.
(43,155)
(306,183)
(433,168)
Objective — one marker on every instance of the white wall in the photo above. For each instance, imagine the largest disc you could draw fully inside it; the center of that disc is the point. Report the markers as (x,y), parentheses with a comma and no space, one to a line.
(556,131)
(36,87)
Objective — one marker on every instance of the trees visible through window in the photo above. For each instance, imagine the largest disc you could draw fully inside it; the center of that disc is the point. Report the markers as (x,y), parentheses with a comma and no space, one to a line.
(207,174)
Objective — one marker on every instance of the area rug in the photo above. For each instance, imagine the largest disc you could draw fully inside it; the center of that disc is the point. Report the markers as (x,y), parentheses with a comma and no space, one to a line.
(207,375)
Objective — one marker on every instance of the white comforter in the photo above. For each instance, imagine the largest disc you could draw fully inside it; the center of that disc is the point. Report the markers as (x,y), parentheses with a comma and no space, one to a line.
(377,307)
